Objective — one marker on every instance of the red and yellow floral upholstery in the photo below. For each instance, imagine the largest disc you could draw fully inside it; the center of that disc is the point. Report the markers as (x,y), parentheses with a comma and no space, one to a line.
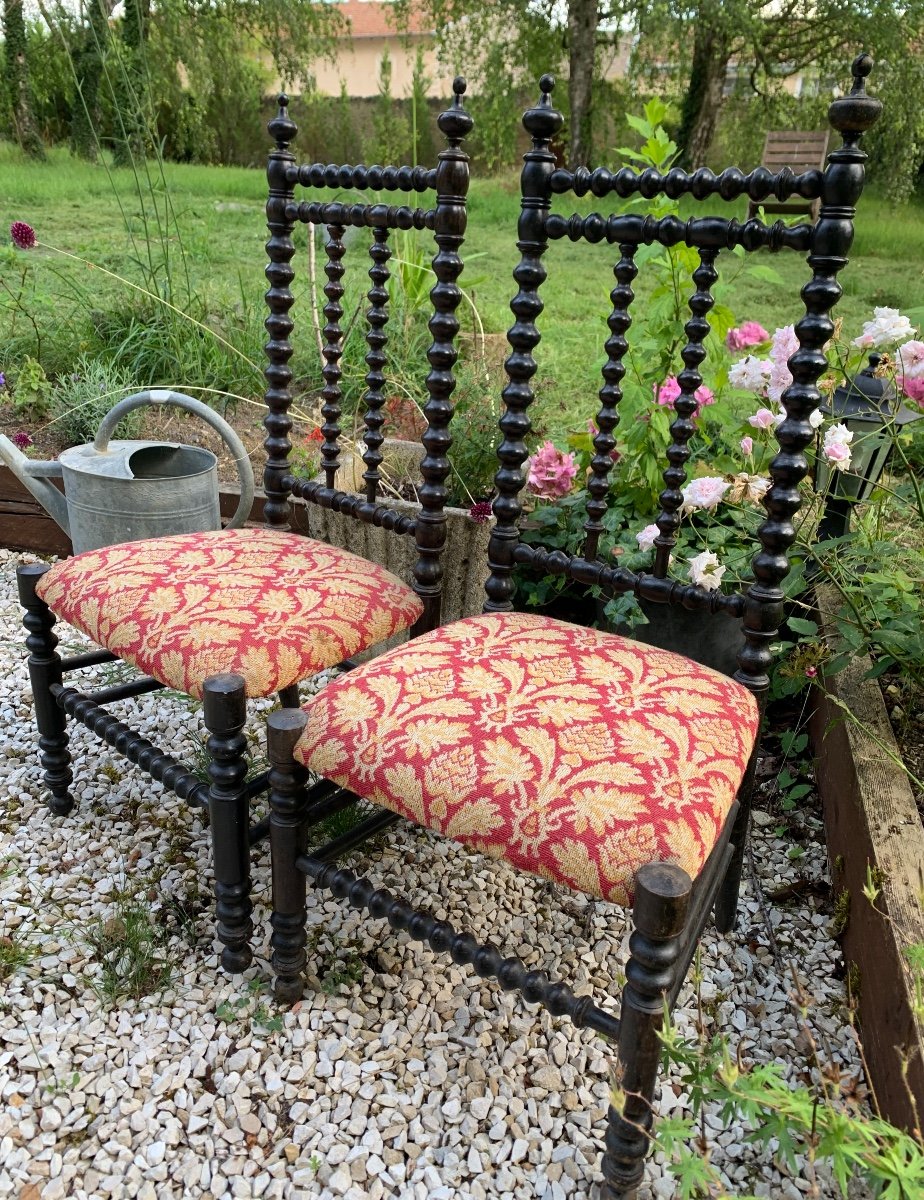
(574,754)
(266,604)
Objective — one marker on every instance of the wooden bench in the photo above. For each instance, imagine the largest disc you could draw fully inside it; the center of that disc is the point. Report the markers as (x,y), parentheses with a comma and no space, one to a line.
(799,150)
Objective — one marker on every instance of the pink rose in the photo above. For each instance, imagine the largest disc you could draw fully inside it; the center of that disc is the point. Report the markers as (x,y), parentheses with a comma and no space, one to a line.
(839,454)
(911,357)
(785,344)
(670,389)
(668,392)
(705,492)
(913,388)
(551,472)
(746,335)
(646,537)
(747,446)
(762,419)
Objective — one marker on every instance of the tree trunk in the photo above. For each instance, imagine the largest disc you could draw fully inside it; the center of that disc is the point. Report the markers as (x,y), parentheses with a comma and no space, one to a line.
(88,68)
(17,75)
(703,102)
(582,36)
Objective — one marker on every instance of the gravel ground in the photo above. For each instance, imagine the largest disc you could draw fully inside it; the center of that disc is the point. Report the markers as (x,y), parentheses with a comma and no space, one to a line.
(392,1077)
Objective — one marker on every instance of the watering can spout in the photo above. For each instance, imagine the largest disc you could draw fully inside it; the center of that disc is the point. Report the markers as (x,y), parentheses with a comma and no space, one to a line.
(36,477)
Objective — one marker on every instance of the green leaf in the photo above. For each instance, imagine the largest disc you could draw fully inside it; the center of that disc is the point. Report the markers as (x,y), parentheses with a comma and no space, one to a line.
(767,274)
(803,626)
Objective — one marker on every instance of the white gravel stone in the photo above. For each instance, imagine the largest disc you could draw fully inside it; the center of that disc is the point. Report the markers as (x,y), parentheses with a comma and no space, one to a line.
(416,1081)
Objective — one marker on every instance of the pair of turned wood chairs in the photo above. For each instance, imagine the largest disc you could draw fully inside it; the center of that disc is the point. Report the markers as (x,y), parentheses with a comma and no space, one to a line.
(583,757)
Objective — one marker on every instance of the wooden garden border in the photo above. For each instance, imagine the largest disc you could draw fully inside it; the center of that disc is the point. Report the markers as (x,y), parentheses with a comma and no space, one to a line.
(24,524)
(872,821)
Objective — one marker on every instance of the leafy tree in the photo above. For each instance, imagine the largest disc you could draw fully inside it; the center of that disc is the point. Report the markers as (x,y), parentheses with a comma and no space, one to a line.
(770,41)
(25,129)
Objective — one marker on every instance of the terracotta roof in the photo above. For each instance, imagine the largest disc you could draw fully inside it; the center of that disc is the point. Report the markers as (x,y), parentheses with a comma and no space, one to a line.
(375,18)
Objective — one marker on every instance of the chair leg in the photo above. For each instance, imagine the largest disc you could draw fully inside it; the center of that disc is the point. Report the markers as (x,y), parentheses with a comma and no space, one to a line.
(726,903)
(45,670)
(224,712)
(661,904)
(288,696)
(286,797)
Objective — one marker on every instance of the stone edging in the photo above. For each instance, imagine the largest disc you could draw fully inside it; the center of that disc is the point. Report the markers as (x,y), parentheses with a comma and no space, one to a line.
(872,822)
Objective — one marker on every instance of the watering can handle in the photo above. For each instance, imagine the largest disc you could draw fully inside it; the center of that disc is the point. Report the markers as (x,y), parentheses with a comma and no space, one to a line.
(181,400)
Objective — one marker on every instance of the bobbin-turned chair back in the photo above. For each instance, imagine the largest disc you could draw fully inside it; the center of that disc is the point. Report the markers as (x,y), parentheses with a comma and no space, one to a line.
(826,244)
(446,220)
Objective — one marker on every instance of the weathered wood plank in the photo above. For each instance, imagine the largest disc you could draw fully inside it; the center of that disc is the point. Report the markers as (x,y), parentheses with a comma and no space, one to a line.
(872,822)
(24,524)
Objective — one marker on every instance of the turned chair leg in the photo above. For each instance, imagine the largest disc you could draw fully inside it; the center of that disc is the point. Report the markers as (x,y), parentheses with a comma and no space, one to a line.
(287,805)
(726,904)
(661,903)
(225,712)
(45,670)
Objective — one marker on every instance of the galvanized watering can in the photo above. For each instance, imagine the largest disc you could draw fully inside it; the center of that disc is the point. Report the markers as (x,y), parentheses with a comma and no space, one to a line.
(128,490)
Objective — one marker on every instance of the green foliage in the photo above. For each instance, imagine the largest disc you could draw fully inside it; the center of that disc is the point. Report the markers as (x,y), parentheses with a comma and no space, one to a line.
(391,129)
(475,437)
(52,80)
(422,150)
(32,390)
(131,950)
(82,399)
(14,953)
(249,1008)
(494,140)
(821,1124)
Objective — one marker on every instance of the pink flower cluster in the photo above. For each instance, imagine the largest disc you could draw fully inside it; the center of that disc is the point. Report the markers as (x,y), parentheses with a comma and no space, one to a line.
(767,377)
(751,333)
(836,446)
(669,390)
(887,328)
(911,377)
(551,472)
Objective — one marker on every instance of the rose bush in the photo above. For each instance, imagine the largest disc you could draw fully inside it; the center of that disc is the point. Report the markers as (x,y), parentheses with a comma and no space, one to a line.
(738,412)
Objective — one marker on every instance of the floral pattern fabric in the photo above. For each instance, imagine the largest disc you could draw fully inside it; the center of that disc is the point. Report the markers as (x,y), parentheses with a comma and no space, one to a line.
(574,754)
(266,604)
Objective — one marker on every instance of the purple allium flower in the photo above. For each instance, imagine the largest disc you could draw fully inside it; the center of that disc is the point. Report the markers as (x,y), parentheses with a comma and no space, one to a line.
(21,440)
(23,235)
(481,512)
(2,381)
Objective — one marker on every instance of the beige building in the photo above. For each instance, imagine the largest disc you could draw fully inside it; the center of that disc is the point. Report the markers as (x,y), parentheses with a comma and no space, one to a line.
(372,30)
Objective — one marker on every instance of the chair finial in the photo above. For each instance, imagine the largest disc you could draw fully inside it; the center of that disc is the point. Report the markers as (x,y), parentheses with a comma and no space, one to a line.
(853,114)
(543,121)
(456,123)
(282,128)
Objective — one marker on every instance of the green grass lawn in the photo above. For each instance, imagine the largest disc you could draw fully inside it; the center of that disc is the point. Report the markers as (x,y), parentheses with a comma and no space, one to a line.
(208,222)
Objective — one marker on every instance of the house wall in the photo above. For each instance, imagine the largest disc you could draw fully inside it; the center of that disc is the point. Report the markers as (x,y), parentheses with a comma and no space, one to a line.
(358,61)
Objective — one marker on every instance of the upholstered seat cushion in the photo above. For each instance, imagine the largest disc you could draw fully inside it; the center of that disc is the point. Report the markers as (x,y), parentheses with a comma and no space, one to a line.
(267,604)
(576,755)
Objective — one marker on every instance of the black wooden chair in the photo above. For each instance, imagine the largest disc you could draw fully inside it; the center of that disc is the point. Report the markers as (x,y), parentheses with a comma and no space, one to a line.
(249,612)
(580,756)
